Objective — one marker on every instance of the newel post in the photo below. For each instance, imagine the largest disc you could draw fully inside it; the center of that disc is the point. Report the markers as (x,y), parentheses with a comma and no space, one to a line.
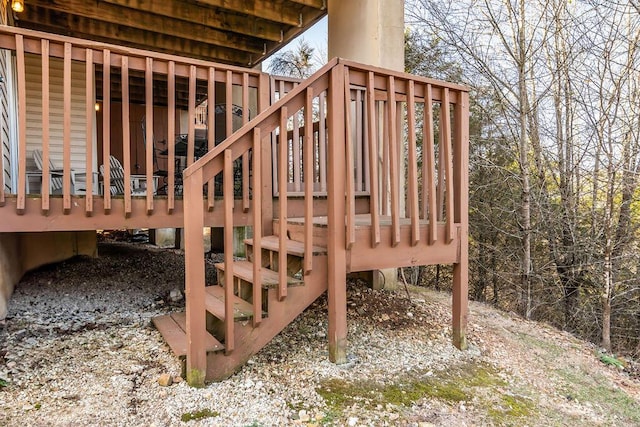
(194,278)
(461,216)
(336,245)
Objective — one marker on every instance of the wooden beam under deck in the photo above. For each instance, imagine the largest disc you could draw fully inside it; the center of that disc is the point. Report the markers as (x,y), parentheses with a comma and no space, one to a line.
(77,220)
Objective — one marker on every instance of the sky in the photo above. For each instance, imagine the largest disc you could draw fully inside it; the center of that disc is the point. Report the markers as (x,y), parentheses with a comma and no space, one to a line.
(316,36)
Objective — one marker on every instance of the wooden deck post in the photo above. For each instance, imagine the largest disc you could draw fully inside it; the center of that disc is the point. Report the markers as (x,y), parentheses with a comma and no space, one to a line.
(194,279)
(337,277)
(461,216)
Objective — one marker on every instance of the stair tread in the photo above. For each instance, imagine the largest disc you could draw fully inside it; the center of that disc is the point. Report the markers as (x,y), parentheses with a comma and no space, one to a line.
(244,270)
(173,326)
(242,310)
(294,247)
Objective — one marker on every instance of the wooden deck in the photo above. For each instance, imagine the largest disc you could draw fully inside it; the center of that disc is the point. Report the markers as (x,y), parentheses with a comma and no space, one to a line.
(340,152)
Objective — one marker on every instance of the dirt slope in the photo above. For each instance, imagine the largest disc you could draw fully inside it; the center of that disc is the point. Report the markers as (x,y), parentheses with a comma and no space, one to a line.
(78,349)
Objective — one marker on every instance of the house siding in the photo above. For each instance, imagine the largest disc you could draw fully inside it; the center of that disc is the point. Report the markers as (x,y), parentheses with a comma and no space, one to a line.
(33,67)
(4,108)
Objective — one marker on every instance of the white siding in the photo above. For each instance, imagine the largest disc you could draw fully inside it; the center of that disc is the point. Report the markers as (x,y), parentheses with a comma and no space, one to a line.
(34,111)
(4,108)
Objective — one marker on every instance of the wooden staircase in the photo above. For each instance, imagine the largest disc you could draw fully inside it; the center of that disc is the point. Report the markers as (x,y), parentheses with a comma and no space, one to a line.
(251,334)
(339,209)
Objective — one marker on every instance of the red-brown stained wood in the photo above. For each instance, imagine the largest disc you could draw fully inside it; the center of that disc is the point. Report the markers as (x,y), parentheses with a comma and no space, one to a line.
(90,112)
(372,139)
(383,138)
(428,168)
(394,182)
(337,268)
(66,129)
(45,190)
(191,133)
(171,132)
(22,125)
(295,152)
(461,216)
(228,251)
(211,130)
(322,141)
(194,279)
(228,111)
(106,128)
(282,201)
(257,227)
(148,91)
(414,202)
(126,136)
(266,204)
(360,164)
(245,156)
(349,179)
(445,132)
(308,180)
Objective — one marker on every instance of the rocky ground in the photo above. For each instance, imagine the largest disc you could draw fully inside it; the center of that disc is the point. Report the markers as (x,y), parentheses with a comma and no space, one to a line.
(78,349)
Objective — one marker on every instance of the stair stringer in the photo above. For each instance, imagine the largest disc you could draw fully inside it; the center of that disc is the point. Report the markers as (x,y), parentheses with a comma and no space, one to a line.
(250,340)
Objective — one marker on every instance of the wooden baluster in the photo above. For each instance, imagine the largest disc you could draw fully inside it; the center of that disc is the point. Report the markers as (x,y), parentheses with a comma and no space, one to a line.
(359,164)
(322,141)
(266,204)
(66,130)
(414,203)
(295,152)
(126,136)
(22,126)
(275,138)
(106,129)
(349,183)
(171,136)
(211,131)
(257,227)
(445,139)
(245,156)
(195,279)
(283,178)
(90,111)
(46,181)
(148,80)
(365,144)
(428,168)
(441,175)
(229,104)
(191,133)
(384,167)
(228,197)
(393,163)
(372,138)
(307,151)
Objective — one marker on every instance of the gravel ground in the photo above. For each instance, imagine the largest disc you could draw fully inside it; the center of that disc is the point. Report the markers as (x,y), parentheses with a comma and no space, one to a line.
(78,349)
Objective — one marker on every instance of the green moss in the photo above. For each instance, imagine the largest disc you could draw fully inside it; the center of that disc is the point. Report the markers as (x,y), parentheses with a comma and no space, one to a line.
(195,378)
(3,383)
(510,409)
(454,385)
(198,415)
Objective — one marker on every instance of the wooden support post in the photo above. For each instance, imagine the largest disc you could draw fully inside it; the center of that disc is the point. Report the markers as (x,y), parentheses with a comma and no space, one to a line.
(194,279)
(337,277)
(461,216)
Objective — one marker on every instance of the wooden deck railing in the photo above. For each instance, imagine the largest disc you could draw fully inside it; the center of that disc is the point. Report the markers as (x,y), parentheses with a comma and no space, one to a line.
(360,143)
(127,77)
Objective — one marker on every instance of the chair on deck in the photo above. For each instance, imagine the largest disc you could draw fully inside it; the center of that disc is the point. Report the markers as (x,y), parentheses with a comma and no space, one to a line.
(56,175)
(157,171)
(138,183)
